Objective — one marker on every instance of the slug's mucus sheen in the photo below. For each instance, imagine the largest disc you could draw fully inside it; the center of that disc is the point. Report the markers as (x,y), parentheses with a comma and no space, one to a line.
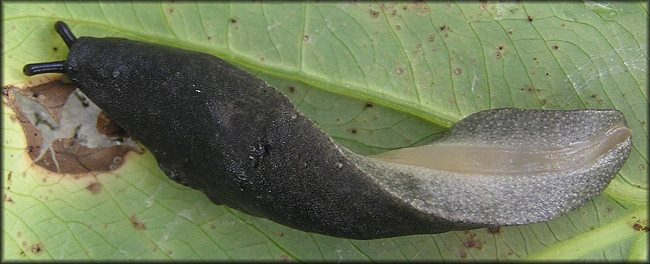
(218,129)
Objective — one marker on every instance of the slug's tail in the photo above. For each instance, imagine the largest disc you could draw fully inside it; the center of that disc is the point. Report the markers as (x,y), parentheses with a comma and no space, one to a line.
(52,67)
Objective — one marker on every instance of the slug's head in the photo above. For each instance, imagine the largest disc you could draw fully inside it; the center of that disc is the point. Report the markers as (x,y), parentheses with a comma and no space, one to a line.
(57,66)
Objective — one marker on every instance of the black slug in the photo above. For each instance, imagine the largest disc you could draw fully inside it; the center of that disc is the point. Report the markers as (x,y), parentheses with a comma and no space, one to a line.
(221,130)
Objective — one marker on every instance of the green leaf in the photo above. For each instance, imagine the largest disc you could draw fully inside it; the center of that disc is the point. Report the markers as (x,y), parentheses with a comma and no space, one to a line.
(375,76)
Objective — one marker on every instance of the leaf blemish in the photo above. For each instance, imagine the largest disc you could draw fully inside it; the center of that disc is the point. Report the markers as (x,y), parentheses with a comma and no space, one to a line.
(462,254)
(94,187)
(494,229)
(137,224)
(638,226)
(6,198)
(458,71)
(36,249)
(472,242)
(374,13)
(54,140)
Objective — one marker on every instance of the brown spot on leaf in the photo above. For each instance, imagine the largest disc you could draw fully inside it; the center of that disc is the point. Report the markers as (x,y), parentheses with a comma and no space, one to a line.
(233,20)
(443,27)
(71,156)
(555,47)
(305,37)
(106,126)
(36,249)
(292,89)
(529,88)
(137,224)
(494,229)
(94,187)
(641,226)
(353,130)
(368,105)
(471,243)
(281,234)
(399,71)
(637,227)
(458,71)
(374,13)
(462,253)
(530,19)
(7,199)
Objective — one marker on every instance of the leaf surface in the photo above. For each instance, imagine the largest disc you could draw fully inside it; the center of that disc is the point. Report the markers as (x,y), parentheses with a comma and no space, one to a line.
(373,76)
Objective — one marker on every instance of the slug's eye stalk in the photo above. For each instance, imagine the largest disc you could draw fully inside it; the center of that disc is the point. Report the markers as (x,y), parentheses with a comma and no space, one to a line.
(45,67)
(65,33)
(52,67)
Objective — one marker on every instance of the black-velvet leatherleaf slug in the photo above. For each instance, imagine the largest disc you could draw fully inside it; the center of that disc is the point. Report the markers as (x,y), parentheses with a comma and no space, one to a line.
(221,130)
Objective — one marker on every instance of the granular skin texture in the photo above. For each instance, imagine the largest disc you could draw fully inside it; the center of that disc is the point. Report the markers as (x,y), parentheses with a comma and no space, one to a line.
(218,129)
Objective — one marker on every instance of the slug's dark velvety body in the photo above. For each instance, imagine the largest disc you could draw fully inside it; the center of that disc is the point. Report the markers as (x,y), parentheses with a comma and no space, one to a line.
(218,129)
